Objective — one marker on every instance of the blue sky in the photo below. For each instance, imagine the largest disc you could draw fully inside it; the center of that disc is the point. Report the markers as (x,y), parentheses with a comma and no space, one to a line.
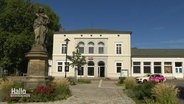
(154,23)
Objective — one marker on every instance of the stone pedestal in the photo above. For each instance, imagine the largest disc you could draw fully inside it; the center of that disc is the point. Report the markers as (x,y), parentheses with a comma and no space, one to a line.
(37,71)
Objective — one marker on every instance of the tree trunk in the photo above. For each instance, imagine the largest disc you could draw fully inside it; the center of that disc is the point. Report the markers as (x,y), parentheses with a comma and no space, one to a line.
(76,70)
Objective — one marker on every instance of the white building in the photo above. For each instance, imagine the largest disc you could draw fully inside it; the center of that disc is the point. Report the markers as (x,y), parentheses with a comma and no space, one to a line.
(108,54)
(168,62)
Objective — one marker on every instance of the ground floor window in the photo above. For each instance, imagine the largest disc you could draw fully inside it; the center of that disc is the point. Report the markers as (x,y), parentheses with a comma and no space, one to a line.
(90,71)
(81,71)
(147,67)
(118,67)
(59,66)
(178,67)
(91,68)
(157,67)
(136,67)
(167,67)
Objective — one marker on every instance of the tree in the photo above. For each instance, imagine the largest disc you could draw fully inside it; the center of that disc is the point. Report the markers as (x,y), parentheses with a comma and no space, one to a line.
(77,60)
(17,34)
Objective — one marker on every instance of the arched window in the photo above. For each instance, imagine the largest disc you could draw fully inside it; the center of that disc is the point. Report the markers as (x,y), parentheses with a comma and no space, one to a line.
(81,47)
(101,63)
(101,48)
(91,68)
(90,47)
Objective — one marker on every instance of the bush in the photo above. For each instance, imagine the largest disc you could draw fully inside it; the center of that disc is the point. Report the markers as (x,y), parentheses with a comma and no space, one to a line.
(5,90)
(72,80)
(5,86)
(144,90)
(130,83)
(121,80)
(165,93)
(83,81)
(55,90)
(62,88)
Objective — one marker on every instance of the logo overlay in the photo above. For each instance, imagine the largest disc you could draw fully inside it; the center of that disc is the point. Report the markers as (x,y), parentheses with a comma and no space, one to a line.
(19,92)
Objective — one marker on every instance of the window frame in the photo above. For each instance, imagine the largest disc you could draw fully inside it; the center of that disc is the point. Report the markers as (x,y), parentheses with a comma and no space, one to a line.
(147,65)
(62,66)
(137,65)
(118,49)
(63,48)
(89,67)
(168,67)
(156,65)
(117,67)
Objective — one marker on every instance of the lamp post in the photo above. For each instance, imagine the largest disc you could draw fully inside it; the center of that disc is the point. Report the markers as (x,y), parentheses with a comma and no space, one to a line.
(66,64)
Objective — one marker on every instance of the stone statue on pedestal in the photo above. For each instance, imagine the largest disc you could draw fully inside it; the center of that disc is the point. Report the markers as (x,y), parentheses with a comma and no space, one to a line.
(40,28)
(37,71)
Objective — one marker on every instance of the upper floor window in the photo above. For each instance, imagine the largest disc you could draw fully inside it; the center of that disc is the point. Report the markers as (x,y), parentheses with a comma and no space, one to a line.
(91,47)
(81,47)
(118,48)
(101,48)
(63,48)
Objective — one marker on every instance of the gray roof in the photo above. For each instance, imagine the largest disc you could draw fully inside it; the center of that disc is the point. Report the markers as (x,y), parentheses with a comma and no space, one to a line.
(157,53)
(94,31)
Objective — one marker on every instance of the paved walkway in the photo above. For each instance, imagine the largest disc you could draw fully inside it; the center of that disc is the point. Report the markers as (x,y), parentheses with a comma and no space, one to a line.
(98,92)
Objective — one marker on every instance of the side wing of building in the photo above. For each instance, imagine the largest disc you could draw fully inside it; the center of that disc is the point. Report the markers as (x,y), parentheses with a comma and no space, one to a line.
(168,62)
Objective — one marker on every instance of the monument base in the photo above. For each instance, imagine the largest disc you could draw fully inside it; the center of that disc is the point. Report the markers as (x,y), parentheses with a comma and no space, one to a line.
(32,82)
(37,71)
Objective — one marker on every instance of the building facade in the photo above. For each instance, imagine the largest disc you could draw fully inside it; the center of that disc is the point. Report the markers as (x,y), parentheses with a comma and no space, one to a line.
(168,62)
(108,54)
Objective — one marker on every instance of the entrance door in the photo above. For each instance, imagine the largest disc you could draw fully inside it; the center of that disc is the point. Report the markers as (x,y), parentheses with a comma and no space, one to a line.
(101,69)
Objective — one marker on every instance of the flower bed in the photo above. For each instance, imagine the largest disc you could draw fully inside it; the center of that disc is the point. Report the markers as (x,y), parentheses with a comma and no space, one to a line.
(55,90)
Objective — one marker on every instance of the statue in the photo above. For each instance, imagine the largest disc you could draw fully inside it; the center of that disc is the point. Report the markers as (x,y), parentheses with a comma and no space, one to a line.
(37,70)
(40,28)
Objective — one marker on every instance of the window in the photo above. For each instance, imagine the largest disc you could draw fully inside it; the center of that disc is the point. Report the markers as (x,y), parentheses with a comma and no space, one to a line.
(118,67)
(60,66)
(91,47)
(81,71)
(178,67)
(147,67)
(90,68)
(118,49)
(81,47)
(157,67)
(167,67)
(63,48)
(136,67)
(100,47)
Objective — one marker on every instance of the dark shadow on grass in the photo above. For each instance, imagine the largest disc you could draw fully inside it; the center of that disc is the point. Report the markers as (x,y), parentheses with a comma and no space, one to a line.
(181,92)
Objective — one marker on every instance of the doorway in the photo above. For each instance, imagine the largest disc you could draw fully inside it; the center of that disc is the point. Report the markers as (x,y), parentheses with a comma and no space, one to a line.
(101,69)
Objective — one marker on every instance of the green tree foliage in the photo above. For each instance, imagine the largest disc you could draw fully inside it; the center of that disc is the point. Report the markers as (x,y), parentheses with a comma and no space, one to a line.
(16,31)
(77,60)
